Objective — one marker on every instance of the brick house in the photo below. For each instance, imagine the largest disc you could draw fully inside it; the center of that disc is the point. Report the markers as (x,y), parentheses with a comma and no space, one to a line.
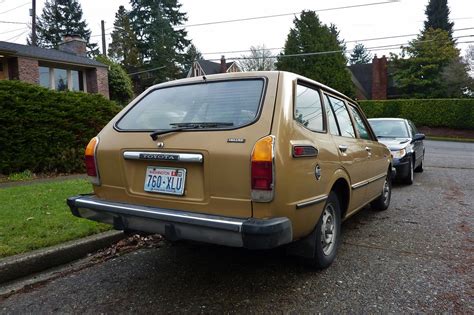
(66,68)
(203,67)
(373,81)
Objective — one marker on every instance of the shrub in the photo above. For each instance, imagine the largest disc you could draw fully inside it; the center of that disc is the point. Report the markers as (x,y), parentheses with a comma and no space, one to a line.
(46,131)
(120,84)
(449,113)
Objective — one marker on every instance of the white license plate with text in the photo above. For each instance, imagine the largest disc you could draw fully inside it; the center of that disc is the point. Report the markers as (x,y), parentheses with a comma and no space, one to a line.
(165,180)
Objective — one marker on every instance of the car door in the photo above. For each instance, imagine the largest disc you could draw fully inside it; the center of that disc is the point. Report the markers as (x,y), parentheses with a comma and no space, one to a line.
(376,155)
(352,153)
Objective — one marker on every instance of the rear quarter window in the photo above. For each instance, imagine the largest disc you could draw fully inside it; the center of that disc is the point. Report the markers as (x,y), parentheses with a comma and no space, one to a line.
(232,101)
(308,108)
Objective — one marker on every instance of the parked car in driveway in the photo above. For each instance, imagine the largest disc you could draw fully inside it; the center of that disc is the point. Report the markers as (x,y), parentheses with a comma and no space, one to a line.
(405,143)
(254,160)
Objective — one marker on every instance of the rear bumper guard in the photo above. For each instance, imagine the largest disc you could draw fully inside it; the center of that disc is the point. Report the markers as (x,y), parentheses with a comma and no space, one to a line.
(176,224)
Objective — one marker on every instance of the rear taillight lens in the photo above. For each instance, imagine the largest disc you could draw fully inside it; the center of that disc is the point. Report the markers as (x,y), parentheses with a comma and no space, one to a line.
(263,169)
(90,158)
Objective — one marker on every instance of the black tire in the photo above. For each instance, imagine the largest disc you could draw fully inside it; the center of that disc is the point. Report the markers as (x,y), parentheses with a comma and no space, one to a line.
(324,253)
(383,201)
(419,169)
(408,180)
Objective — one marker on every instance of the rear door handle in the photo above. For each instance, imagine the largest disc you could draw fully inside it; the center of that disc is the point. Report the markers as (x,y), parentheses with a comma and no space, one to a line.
(342,147)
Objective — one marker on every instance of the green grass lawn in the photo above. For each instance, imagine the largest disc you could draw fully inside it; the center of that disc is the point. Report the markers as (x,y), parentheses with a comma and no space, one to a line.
(36,216)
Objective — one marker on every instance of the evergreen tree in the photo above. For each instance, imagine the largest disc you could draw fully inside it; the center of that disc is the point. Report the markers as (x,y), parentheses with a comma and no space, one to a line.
(310,35)
(60,18)
(123,47)
(360,55)
(192,54)
(420,75)
(160,43)
(437,13)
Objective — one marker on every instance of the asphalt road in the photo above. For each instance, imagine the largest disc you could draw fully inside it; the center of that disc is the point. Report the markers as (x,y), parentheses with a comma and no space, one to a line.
(415,257)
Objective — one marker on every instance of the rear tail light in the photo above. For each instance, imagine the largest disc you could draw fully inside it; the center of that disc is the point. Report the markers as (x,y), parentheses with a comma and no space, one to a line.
(263,169)
(91,163)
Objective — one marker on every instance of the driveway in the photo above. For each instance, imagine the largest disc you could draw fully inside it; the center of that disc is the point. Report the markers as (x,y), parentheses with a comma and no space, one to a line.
(416,256)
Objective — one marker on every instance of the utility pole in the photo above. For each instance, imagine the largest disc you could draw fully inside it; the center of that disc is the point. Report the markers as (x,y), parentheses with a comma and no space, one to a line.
(104,49)
(33,24)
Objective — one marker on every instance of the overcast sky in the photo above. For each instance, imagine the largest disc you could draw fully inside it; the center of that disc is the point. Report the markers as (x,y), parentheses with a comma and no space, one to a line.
(355,24)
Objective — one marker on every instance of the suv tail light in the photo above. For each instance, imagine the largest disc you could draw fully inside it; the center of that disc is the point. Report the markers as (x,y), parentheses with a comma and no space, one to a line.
(263,169)
(91,163)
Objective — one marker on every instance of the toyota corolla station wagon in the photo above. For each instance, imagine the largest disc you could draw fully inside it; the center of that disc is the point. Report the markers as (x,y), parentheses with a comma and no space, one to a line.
(254,160)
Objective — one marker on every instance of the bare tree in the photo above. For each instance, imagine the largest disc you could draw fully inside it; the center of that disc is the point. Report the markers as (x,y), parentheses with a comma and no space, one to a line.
(469,58)
(259,59)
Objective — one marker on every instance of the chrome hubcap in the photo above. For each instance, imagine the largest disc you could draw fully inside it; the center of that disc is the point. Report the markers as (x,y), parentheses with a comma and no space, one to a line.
(328,230)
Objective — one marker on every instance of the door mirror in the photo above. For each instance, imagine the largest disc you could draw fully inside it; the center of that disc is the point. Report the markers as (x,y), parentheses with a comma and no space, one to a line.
(418,137)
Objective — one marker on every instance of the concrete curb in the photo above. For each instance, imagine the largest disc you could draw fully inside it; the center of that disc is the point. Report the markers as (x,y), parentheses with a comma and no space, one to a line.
(21,265)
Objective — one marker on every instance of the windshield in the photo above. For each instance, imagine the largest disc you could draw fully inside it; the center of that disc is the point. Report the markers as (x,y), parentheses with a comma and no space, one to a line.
(389,128)
(229,103)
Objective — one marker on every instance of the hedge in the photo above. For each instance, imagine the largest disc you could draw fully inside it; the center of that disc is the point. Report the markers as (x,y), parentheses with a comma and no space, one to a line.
(449,113)
(46,131)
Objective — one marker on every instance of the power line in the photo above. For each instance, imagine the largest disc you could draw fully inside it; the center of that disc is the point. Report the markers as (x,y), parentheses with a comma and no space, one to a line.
(279,15)
(11,22)
(149,70)
(21,5)
(14,38)
(287,14)
(10,31)
(351,41)
(393,46)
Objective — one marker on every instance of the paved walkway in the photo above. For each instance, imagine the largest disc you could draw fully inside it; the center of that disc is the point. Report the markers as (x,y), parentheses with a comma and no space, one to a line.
(42,180)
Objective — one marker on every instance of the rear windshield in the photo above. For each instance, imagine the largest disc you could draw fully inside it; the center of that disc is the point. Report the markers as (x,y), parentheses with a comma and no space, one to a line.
(234,103)
(389,128)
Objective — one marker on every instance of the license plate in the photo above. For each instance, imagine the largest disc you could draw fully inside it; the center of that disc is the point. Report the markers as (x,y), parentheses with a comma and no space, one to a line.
(165,180)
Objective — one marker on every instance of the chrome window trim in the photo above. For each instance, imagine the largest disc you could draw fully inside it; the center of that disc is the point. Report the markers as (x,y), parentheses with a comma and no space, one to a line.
(162,156)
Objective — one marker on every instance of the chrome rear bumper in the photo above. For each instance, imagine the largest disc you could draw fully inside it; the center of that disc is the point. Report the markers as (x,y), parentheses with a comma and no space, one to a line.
(176,224)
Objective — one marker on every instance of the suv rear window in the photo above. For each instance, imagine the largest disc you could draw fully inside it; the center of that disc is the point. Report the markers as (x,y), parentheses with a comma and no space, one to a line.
(234,102)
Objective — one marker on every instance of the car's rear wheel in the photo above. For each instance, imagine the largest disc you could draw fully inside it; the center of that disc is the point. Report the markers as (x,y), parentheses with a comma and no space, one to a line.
(383,201)
(410,176)
(327,234)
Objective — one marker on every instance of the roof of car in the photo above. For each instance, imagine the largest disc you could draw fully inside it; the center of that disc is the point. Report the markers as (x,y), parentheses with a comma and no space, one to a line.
(401,119)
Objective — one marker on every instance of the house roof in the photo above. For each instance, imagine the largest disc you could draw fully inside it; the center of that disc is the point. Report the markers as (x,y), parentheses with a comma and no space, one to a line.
(363,75)
(210,67)
(47,54)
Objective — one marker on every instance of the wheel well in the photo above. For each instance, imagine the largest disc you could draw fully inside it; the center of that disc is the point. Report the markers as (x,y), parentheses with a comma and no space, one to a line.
(341,188)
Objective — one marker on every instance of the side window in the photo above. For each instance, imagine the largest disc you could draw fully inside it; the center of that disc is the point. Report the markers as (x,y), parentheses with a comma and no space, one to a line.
(343,118)
(308,109)
(361,127)
(332,124)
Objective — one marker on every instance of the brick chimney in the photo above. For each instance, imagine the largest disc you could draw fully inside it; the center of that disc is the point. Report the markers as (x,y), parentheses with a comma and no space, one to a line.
(74,44)
(223,65)
(379,78)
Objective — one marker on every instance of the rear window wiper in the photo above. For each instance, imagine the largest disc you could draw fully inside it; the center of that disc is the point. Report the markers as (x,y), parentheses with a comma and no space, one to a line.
(188,125)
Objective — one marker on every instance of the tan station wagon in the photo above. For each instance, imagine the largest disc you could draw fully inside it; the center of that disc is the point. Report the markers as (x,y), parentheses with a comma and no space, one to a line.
(254,160)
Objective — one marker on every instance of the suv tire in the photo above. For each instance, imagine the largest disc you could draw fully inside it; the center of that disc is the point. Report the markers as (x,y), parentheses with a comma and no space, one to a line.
(327,234)
(383,201)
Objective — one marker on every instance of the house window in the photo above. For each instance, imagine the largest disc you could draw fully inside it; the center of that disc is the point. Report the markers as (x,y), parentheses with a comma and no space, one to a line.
(61,79)
(44,77)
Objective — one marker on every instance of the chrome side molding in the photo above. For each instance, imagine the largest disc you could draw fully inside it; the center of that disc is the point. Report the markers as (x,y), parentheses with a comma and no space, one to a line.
(163,156)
